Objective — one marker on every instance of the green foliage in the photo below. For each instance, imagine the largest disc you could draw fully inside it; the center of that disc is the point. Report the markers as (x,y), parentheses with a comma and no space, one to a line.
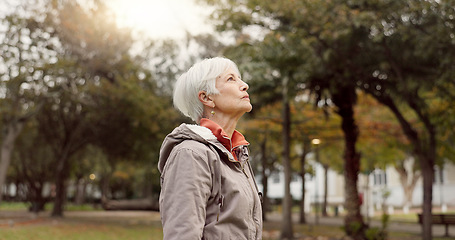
(263,132)
(32,150)
(24,49)
(353,228)
(310,122)
(14,206)
(380,129)
(96,104)
(385,48)
(380,233)
(341,42)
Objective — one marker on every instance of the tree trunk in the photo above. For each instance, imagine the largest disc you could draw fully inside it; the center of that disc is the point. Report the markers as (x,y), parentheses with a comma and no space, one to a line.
(105,190)
(324,205)
(408,180)
(147,191)
(265,178)
(79,197)
(11,131)
(34,189)
(306,146)
(60,195)
(353,221)
(425,151)
(286,225)
(265,199)
(344,99)
(36,198)
(427,164)
(62,174)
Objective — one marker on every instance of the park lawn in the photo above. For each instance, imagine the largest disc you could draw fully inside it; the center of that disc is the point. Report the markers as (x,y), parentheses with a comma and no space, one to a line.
(82,231)
(76,230)
(13,206)
(100,225)
(301,231)
(112,231)
(87,223)
(21,206)
(271,231)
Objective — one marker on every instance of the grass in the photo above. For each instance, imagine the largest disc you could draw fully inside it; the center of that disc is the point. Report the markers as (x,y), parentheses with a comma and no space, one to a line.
(411,217)
(13,206)
(76,231)
(272,231)
(80,231)
(21,206)
(78,224)
(84,223)
(137,228)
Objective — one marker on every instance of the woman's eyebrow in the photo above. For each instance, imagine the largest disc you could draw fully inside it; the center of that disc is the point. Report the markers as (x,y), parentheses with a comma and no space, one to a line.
(230,75)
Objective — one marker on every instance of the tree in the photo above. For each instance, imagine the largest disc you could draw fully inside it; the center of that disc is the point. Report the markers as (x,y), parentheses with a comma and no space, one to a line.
(333,79)
(93,55)
(408,57)
(285,25)
(66,127)
(263,131)
(391,147)
(272,56)
(23,50)
(283,60)
(32,162)
(313,121)
(384,48)
(408,178)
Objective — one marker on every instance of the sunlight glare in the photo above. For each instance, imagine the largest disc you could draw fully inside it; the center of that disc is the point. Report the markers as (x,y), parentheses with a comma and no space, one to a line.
(161,18)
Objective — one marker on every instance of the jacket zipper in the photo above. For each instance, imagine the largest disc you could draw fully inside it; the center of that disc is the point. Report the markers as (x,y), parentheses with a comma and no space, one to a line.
(252,189)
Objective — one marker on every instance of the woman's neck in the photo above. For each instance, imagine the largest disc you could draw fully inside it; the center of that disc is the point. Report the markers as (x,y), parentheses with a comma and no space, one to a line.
(228,124)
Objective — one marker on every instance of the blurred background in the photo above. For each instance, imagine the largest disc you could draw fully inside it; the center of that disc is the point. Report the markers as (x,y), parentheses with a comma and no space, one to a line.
(353,103)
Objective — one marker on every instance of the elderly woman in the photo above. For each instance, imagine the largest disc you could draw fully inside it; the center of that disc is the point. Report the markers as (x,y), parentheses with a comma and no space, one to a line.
(208,189)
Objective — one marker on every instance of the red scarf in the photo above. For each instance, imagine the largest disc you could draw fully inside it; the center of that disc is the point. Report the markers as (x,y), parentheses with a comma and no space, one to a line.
(229,143)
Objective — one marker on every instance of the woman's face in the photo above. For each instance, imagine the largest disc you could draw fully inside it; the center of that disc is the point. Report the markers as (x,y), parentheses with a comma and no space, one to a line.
(233,99)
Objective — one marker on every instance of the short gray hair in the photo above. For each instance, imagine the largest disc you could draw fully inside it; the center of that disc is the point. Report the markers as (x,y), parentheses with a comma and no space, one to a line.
(200,77)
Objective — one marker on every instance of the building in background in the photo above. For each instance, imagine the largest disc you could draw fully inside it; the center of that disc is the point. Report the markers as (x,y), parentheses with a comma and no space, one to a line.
(380,190)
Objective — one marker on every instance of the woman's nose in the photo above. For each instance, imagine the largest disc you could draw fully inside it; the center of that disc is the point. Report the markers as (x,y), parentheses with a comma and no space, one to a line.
(244,86)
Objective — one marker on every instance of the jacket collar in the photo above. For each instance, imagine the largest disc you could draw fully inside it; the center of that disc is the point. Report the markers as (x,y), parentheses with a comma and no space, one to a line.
(230,144)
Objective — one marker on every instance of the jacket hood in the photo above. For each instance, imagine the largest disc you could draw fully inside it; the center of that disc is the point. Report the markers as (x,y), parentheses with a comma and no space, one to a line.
(180,134)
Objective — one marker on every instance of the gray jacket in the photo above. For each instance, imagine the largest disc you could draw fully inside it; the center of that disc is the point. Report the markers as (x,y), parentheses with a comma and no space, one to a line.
(205,193)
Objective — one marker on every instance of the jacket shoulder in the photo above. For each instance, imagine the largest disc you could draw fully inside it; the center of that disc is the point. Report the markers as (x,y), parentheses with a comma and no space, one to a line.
(191,144)
(201,149)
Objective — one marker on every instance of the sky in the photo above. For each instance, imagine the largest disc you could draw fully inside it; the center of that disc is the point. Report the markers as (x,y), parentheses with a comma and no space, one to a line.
(162,18)
(156,18)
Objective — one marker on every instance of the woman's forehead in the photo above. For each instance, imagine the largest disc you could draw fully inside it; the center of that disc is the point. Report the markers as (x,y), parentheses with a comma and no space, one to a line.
(230,71)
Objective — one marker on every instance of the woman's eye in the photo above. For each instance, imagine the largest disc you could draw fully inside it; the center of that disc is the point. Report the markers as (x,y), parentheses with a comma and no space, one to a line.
(231,79)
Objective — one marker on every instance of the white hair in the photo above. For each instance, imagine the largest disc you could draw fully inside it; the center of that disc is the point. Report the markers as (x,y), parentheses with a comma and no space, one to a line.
(200,77)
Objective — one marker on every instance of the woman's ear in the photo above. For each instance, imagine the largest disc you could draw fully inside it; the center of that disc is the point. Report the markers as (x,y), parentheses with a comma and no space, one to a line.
(205,99)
